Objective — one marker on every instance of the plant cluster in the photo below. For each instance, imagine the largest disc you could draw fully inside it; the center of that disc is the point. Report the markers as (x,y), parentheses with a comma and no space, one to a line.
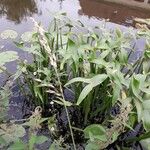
(96,65)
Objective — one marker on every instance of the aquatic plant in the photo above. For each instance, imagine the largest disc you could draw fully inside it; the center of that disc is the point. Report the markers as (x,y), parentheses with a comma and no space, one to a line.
(12,132)
(5,90)
(96,65)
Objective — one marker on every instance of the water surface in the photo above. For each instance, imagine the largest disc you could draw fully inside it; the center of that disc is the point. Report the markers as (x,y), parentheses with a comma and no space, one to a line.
(15,14)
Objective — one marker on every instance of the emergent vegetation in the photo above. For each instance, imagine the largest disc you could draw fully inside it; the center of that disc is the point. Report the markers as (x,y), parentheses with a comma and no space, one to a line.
(96,66)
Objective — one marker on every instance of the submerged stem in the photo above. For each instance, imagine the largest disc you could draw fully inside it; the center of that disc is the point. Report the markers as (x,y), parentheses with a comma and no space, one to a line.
(67,113)
(43,41)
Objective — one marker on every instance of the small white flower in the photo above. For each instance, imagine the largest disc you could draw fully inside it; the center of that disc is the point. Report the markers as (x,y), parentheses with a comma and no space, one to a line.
(34,73)
(25,61)
(52,129)
(52,103)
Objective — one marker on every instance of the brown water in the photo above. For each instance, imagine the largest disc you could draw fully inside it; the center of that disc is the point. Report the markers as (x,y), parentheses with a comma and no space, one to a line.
(15,14)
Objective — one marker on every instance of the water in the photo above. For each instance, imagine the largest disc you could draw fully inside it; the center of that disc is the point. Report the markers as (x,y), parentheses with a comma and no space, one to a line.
(15,14)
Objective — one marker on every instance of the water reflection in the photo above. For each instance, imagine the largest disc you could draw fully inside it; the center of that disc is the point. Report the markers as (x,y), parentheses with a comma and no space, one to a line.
(116,13)
(17,10)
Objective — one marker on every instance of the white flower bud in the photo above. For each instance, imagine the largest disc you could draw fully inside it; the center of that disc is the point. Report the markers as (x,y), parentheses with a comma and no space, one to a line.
(34,73)
(52,129)
(52,103)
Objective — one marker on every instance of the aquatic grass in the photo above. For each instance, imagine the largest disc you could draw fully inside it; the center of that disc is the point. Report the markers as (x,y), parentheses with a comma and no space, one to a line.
(53,62)
(103,58)
(39,74)
(5,89)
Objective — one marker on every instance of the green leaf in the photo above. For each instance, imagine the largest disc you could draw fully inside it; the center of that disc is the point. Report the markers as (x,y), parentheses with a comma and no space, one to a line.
(116,93)
(87,89)
(139,108)
(146,104)
(36,140)
(94,81)
(123,56)
(8,56)
(104,54)
(146,119)
(101,62)
(32,141)
(34,49)
(71,55)
(9,34)
(114,136)
(67,57)
(19,44)
(38,92)
(72,49)
(92,146)
(103,46)
(56,146)
(95,131)
(119,33)
(79,79)
(26,36)
(19,72)
(11,132)
(141,78)
(134,87)
(146,66)
(18,145)
(145,144)
(2,141)
(98,79)
(132,119)
(62,102)
(41,139)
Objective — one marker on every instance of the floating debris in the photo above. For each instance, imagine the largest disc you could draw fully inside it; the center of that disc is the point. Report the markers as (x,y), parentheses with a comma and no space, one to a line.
(9,34)
(27,36)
